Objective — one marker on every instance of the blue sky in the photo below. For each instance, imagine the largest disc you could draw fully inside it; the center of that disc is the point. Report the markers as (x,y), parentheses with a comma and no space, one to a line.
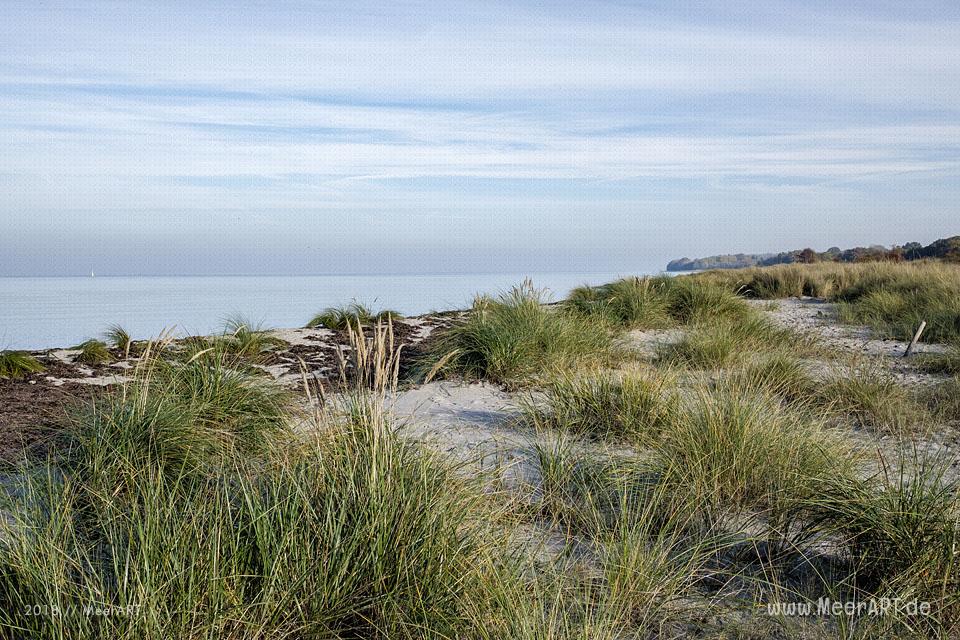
(185,137)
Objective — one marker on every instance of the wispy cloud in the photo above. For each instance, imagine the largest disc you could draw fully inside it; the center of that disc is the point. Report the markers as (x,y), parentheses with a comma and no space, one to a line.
(128,106)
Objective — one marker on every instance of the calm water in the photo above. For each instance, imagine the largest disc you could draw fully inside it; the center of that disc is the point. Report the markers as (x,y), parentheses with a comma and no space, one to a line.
(37,313)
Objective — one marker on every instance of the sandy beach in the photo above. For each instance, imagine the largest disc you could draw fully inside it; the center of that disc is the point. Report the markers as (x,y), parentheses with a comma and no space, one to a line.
(718,397)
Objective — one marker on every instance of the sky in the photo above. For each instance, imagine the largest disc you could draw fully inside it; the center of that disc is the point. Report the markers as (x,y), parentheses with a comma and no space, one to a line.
(358,137)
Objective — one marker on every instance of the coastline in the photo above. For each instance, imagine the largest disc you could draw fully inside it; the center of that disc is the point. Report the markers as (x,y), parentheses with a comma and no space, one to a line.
(546,406)
(36,314)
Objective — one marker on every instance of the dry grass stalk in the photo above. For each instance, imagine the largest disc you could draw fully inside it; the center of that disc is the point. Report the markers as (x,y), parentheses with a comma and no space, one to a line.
(371,363)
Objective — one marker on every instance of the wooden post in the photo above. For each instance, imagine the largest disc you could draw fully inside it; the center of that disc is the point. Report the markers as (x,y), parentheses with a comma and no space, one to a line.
(916,336)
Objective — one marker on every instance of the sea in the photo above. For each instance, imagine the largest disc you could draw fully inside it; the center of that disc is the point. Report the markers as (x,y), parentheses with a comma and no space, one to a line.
(47,312)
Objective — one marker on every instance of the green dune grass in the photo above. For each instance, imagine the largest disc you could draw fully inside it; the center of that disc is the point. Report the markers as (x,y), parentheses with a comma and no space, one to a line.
(18,364)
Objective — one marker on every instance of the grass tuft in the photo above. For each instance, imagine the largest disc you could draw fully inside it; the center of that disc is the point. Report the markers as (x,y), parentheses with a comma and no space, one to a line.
(652,303)
(780,374)
(650,555)
(700,349)
(947,362)
(890,298)
(944,399)
(18,364)
(871,398)
(902,528)
(517,338)
(352,534)
(352,315)
(737,448)
(722,343)
(118,338)
(695,301)
(246,341)
(177,418)
(653,567)
(93,352)
(630,302)
(633,405)
(894,304)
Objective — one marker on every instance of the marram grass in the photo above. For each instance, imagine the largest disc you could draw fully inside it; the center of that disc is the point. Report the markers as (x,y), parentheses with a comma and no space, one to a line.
(178,418)
(150,513)
(241,345)
(901,527)
(247,341)
(18,364)
(517,339)
(353,315)
(353,534)
(891,298)
(118,338)
(632,405)
(737,448)
(781,374)
(947,362)
(630,302)
(867,396)
(944,400)
(93,352)
(722,343)
(656,302)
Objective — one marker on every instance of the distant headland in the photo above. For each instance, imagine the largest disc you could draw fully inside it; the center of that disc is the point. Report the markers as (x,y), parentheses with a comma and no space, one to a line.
(943,249)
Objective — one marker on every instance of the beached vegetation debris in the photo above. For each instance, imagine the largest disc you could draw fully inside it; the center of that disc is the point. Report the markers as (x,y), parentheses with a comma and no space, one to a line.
(351,315)
(517,338)
(95,352)
(18,364)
